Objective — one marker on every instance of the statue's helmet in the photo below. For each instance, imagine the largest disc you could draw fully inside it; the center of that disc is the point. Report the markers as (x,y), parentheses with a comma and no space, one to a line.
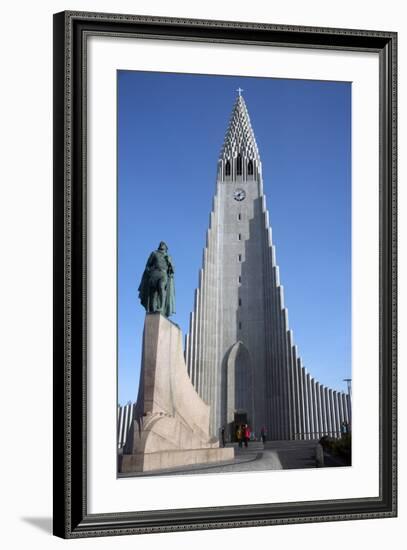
(162,246)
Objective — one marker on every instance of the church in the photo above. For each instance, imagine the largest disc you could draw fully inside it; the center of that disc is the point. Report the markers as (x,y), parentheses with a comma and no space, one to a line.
(240,352)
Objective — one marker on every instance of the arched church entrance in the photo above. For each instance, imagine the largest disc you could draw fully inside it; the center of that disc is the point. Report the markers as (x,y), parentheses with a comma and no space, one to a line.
(239,388)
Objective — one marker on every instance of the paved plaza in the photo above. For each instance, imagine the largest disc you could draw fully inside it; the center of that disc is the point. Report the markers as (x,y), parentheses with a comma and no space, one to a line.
(273,455)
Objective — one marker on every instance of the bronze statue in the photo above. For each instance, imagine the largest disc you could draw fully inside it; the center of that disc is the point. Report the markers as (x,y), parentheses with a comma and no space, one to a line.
(156,290)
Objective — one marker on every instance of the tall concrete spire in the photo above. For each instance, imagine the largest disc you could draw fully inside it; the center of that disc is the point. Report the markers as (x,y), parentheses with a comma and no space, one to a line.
(239,137)
(239,155)
(240,350)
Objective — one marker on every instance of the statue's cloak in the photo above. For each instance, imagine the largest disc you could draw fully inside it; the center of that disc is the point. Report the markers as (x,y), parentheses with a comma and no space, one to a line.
(144,288)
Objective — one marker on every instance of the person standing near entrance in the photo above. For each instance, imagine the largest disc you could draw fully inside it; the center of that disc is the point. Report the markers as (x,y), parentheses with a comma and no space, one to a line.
(263,434)
(247,433)
(223,435)
(239,435)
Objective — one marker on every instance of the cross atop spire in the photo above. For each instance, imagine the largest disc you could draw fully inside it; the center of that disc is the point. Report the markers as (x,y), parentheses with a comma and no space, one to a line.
(239,91)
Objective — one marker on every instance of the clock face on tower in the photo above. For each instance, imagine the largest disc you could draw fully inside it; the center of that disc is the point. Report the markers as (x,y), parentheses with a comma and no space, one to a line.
(239,195)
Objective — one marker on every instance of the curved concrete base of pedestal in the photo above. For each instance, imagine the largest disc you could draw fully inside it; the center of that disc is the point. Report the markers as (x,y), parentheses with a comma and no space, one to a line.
(172,422)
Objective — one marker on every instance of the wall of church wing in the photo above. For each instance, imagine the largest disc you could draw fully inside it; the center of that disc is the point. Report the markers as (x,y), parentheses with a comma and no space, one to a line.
(297,406)
(125,416)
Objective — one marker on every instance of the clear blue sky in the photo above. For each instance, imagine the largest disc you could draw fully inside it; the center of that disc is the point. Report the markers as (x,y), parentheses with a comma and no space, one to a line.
(170,132)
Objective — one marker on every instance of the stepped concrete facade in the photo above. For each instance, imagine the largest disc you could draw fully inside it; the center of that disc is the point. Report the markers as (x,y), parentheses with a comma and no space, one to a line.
(170,422)
(240,351)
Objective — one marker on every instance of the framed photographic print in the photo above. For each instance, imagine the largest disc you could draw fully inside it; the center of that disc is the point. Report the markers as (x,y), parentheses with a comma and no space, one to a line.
(224,274)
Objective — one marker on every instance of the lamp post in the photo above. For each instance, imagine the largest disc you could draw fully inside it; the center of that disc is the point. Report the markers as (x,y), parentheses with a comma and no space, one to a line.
(349,383)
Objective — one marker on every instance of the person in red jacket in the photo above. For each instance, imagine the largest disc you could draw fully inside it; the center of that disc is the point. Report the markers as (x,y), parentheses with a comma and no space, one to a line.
(247,434)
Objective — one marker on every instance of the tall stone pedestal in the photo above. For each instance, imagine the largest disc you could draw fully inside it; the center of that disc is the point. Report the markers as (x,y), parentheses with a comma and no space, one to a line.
(171,427)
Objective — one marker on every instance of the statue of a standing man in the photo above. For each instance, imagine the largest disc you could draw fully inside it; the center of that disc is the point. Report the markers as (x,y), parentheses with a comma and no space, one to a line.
(156,290)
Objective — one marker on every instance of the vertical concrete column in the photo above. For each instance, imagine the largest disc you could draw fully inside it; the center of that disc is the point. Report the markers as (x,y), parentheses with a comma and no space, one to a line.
(333,413)
(306,404)
(204,347)
(202,374)
(332,410)
(124,423)
(319,409)
(293,409)
(216,402)
(214,308)
(287,367)
(272,366)
(345,408)
(119,426)
(314,411)
(327,412)
(126,417)
(283,363)
(279,349)
(340,411)
(187,354)
(328,400)
(285,379)
(276,357)
(273,348)
(340,408)
(317,417)
(296,391)
(212,317)
(349,407)
(296,394)
(267,317)
(279,361)
(272,345)
(190,364)
(310,407)
(281,353)
(336,411)
(301,398)
(206,334)
(198,341)
(189,340)
(209,313)
(324,429)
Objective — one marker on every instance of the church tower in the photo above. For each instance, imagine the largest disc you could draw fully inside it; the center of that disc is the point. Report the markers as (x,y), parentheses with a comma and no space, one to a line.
(239,351)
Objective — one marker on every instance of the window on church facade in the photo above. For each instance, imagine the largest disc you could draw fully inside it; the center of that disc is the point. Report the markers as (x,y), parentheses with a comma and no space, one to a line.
(250,168)
(227,168)
(239,165)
